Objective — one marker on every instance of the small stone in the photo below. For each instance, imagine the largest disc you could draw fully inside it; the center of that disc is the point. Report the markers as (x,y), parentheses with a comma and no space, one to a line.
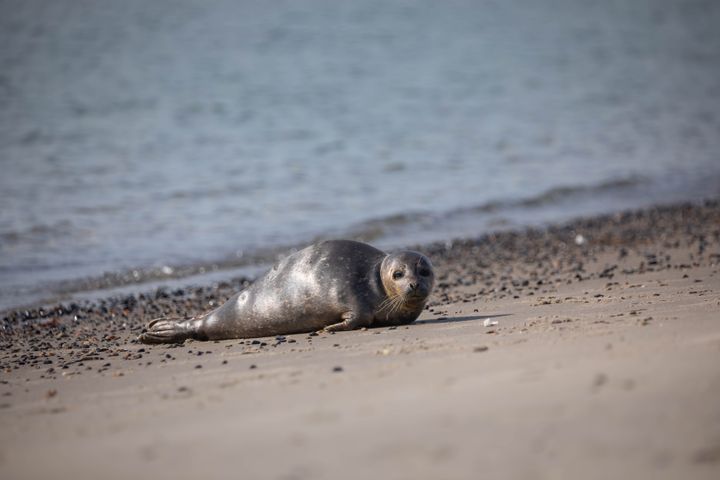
(482,348)
(337,369)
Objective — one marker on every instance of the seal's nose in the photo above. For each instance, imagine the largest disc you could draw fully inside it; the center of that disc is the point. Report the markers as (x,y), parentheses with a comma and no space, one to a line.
(417,289)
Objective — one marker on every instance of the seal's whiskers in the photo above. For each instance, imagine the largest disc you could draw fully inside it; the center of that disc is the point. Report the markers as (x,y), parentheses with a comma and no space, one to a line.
(391,305)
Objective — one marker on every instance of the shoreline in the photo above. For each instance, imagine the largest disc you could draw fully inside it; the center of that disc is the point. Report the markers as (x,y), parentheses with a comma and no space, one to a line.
(120,286)
(603,361)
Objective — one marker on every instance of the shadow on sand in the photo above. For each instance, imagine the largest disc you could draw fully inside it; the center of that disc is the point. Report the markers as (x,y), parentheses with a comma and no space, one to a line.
(460,319)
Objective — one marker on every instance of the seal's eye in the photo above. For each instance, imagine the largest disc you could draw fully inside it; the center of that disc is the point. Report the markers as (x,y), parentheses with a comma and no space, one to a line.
(397,275)
(424,272)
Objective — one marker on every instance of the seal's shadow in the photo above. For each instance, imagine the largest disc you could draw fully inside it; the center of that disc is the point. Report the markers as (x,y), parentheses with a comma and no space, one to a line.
(460,319)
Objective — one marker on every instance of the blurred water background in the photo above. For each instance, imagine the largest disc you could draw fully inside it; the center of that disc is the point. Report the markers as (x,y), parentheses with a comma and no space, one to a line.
(140,139)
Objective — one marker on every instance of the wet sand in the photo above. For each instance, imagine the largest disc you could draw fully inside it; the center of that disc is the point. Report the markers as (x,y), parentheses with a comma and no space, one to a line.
(604,362)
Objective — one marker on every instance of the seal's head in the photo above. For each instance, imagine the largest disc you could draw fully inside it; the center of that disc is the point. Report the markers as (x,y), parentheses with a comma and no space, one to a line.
(408,279)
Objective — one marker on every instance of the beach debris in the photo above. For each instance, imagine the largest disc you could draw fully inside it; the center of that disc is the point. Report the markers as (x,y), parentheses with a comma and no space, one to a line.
(337,369)
(481,348)
(489,323)
(708,455)
(599,380)
(579,239)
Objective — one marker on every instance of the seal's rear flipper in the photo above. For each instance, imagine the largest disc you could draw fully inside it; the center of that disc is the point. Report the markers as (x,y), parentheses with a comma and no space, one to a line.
(166,330)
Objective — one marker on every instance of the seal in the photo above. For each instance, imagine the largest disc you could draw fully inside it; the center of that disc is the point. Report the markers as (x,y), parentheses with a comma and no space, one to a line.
(332,286)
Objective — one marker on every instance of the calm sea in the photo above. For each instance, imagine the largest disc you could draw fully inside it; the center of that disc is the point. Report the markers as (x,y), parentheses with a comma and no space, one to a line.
(166,136)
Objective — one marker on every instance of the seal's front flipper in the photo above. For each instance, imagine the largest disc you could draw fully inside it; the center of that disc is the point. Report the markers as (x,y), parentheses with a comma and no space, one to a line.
(350,322)
(167,330)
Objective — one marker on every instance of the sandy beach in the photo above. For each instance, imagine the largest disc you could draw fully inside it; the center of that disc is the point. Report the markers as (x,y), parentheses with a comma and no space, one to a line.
(587,350)
(556,160)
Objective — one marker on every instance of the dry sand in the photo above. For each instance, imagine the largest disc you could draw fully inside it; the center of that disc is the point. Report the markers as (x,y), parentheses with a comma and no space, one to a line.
(604,363)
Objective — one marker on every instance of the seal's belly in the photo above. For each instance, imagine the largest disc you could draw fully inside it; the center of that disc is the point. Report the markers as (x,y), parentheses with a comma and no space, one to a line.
(293,306)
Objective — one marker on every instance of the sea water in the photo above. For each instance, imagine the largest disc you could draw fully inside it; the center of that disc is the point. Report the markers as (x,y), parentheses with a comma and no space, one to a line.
(154,136)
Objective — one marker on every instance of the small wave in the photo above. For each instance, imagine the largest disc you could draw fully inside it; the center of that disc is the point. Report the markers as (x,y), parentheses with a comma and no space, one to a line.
(36,234)
(387,226)
(559,194)
(113,107)
(556,195)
